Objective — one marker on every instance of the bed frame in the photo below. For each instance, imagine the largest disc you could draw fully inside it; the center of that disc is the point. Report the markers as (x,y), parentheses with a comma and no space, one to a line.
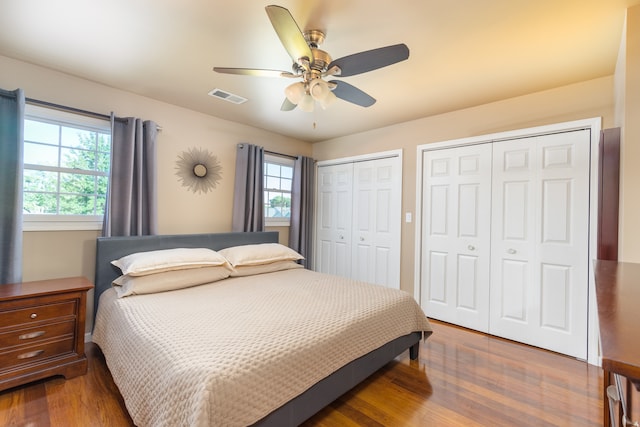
(311,401)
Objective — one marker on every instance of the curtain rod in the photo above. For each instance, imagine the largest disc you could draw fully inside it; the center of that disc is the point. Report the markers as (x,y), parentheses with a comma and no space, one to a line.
(273,153)
(240,145)
(76,110)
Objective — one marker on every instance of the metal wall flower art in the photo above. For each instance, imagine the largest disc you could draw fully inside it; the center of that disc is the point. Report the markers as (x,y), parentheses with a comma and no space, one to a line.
(198,170)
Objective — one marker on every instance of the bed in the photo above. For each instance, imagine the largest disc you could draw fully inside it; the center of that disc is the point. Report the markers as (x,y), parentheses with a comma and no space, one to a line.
(264,349)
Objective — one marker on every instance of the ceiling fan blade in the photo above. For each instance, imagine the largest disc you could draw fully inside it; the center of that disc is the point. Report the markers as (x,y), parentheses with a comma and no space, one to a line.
(253,72)
(289,33)
(352,94)
(371,59)
(287,105)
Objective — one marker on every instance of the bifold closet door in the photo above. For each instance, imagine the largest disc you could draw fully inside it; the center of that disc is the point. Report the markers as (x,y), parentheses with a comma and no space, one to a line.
(540,240)
(334,217)
(456,205)
(358,220)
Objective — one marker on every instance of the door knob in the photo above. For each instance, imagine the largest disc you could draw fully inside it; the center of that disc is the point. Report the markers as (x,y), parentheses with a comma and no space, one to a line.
(512,251)
(471,248)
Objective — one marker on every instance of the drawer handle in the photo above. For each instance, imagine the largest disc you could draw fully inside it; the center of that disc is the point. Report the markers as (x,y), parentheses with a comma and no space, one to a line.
(33,315)
(31,335)
(30,354)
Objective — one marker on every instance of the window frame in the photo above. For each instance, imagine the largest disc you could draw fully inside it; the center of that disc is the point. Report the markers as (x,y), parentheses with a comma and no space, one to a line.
(281,161)
(60,222)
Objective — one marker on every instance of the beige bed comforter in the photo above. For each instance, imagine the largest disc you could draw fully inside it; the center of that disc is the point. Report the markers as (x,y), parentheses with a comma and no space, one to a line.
(230,352)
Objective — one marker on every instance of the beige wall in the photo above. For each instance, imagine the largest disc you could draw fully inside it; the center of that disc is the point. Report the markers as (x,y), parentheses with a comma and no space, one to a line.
(629,97)
(579,101)
(180,211)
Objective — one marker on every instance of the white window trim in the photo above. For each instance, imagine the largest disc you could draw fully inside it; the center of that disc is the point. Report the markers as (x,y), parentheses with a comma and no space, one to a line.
(284,161)
(43,222)
(40,222)
(276,222)
(71,119)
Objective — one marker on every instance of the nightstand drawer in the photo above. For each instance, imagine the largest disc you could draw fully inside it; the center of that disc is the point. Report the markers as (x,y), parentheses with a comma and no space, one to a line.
(25,316)
(29,354)
(39,333)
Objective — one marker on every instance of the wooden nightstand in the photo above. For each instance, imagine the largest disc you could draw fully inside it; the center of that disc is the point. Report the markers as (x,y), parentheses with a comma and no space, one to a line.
(42,330)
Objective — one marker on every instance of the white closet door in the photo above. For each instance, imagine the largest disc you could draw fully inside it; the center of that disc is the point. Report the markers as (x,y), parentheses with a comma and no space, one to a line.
(333,236)
(540,237)
(456,235)
(376,224)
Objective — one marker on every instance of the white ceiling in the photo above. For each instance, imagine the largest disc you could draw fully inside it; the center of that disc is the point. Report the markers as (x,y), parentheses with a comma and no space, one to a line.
(463,52)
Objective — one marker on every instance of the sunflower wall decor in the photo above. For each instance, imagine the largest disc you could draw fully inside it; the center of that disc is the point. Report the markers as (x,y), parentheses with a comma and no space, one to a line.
(198,170)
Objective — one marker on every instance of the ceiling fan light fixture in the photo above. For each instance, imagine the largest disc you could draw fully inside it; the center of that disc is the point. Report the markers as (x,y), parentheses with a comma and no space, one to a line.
(295,92)
(320,91)
(306,103)
(328,100)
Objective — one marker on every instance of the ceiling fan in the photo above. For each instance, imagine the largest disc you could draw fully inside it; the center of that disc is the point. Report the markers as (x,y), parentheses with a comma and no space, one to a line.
(312,65)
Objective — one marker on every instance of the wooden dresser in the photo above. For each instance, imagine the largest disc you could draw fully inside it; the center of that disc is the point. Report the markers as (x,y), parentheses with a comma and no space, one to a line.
(618,299)
(42,327)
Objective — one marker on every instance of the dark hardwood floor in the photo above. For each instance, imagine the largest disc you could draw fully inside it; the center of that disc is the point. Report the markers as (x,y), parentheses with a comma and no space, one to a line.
(461,378)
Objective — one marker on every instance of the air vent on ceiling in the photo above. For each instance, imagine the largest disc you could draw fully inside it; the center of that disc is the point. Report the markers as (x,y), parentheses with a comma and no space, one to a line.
(219,93)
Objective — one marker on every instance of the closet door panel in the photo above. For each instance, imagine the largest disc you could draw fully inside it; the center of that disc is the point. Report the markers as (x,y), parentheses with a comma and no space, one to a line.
(564,243)
(468,202)
(540,241)
(556,211)
(340,259)
(376,232)
(513,225)
(325,221)
(556,296)
(384,199)
(437,283)
(341,211)
(467,282)
(516,208)
(383,259)
(439,218)
(333,232)
(455,235)
(513,290)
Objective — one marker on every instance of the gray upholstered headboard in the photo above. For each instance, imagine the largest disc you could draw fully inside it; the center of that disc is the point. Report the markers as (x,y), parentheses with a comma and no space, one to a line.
(110,248)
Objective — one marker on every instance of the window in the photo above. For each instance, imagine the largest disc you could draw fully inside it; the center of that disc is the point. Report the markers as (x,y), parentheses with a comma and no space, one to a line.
(278,175)
(66,170)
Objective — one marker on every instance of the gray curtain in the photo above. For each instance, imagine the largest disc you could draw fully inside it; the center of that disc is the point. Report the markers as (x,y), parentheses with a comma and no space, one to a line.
(11,159)
(131,208)
(248,197)
(302,208)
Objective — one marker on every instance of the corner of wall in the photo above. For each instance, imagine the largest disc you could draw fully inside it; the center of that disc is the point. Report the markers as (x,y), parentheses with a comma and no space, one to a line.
(619,78)
(630,141)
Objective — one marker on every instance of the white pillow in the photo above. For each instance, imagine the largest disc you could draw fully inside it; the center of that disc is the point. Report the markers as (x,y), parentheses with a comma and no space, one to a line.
(250,270)
(151,262)
(126,285)
(261,253)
